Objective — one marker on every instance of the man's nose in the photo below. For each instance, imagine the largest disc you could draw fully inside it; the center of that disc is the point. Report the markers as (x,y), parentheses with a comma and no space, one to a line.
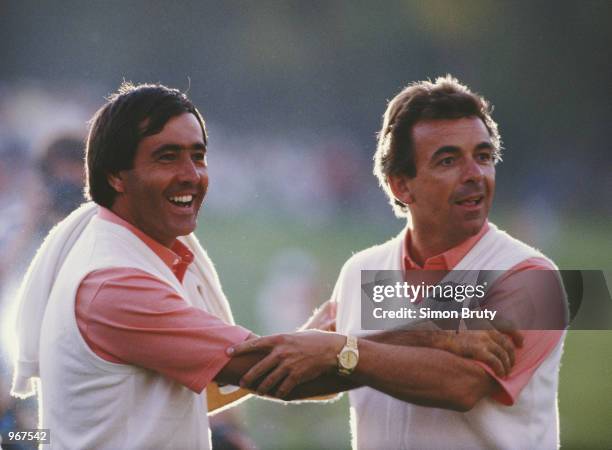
(472,171)
(188,170)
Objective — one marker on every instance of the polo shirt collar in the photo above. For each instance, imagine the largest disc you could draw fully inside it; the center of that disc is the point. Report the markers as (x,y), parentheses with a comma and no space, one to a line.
(177,258)
(444,261)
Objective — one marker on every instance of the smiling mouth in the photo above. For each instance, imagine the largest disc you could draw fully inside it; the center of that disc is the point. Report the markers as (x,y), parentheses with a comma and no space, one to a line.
(471,201)
(183,201)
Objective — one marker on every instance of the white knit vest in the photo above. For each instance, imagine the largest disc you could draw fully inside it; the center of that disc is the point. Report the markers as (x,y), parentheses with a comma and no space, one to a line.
(90,403)
(379,421)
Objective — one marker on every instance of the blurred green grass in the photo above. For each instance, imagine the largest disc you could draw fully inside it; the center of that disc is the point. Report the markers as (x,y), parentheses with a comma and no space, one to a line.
(242,248)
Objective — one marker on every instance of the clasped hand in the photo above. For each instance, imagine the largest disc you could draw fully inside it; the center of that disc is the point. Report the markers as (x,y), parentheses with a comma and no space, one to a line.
(292,359)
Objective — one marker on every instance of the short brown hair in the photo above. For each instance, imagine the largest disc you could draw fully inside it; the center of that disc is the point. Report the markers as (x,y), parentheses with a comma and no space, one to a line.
(446,98)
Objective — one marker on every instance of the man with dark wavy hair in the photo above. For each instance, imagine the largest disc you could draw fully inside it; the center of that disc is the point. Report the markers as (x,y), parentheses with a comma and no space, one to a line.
(437,151)
(436,157)
(136,323)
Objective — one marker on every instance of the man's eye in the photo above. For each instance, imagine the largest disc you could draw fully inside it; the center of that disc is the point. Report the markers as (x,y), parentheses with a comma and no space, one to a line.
(167,157)
(200,156)
(447,161)
(484,157)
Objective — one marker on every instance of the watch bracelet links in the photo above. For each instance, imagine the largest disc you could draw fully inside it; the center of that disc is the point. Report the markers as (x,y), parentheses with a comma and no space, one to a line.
(351,344)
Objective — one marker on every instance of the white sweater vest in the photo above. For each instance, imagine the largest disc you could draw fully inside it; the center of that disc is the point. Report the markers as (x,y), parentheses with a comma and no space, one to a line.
(379,421)
(90,403)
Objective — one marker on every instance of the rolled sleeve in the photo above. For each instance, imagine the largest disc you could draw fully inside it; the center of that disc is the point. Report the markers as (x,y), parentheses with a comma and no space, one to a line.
(535,305)
(537,345)
(127,316)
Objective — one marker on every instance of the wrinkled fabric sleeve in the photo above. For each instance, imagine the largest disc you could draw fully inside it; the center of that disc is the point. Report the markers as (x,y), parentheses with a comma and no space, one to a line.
(128,316)
(538,343)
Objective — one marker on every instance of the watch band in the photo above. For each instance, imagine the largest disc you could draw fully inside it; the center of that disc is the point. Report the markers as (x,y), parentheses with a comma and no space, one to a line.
(351,342)
(348,356)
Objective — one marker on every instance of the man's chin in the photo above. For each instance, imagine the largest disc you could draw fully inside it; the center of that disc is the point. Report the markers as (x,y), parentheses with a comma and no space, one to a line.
(185,229)
(469,226)
(173,227)
(473,227)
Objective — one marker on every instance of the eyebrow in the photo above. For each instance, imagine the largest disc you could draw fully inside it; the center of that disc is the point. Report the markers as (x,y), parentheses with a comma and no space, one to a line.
(177,148)
(453,149)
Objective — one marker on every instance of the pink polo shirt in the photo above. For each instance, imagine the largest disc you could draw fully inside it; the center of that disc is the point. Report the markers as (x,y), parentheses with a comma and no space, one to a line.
(128,316)
(537,344)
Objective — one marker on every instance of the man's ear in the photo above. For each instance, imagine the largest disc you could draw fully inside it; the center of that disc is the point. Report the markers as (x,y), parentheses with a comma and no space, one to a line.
(116,181)
(399,185)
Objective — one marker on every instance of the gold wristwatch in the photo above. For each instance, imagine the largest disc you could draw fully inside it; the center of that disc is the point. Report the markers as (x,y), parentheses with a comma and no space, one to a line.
(348,356)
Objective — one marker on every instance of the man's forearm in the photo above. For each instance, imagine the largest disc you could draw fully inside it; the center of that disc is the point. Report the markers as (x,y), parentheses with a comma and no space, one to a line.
(423,376)
(324,385)
(488,345)
(422,334)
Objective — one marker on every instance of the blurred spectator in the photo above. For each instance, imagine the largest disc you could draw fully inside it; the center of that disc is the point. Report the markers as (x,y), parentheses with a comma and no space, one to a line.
(62,176)
(15,232)
(15,193)
(31,203)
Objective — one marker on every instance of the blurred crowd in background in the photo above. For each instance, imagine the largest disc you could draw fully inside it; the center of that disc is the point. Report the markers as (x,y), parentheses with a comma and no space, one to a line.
(41,181)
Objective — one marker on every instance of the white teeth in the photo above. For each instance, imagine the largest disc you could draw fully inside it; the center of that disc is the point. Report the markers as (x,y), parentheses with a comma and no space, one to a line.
(470,202)
(182,198)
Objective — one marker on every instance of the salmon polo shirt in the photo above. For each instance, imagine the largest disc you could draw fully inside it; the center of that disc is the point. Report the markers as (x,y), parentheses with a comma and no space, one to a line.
(510,287)
(128,316)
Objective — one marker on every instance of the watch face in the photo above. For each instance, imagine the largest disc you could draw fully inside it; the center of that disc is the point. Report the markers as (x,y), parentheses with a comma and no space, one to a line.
(348,359)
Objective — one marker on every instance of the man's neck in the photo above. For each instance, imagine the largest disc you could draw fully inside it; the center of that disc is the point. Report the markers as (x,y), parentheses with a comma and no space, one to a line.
(123,213)
(424,244)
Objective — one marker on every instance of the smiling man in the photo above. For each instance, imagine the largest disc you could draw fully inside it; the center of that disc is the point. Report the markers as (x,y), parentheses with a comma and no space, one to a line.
(136,324)
(436,157)
(162,193)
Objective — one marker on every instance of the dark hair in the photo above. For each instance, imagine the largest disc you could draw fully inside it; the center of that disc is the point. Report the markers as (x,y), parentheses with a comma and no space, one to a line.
(446,98)
(130,114)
